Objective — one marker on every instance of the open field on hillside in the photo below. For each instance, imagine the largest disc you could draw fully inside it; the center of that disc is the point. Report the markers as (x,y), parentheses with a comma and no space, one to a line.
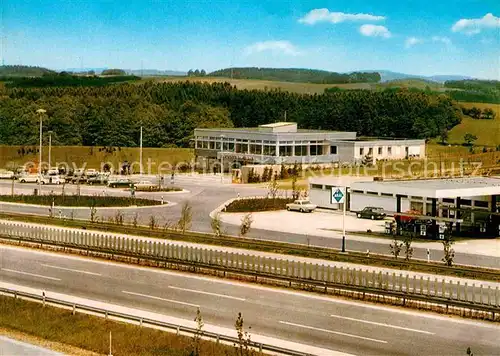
(94,156)
(302,88)
(250,84)
(487,131)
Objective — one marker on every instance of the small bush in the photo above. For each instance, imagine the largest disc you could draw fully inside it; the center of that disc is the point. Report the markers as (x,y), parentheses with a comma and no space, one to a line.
(257,204)
(158,189)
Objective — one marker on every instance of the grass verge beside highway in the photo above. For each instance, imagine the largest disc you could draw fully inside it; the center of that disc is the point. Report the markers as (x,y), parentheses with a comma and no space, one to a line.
(92,333)
(324,253)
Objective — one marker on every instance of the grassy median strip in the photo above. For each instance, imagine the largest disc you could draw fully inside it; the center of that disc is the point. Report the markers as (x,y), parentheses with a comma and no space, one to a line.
(78,200)
(324,253)
(92,333)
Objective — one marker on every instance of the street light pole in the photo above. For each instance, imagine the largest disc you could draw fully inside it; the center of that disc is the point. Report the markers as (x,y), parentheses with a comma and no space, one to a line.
(140,154)
(40,112)
(222,158)
(50,148)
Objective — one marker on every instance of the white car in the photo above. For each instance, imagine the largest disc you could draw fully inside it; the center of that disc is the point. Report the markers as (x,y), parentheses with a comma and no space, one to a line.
(53,180)
(29,178)
(145,185)
(304,206)
(6,175)
(91,172)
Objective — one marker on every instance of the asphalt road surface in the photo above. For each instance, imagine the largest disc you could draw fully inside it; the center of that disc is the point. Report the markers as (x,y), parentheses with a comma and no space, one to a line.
(204,197)
(311,319)
(11,347)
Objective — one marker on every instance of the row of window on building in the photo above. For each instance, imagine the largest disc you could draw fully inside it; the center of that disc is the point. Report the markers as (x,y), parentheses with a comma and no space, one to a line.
(267,148)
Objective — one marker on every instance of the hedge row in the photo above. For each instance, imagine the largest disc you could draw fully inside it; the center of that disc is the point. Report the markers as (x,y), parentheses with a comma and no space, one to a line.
(78,200)
(257,204)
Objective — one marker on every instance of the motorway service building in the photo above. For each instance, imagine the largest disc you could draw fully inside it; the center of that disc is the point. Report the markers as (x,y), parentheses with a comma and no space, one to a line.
(284,143)
(470,205)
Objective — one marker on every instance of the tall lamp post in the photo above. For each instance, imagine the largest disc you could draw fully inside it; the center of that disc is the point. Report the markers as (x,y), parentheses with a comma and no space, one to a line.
(50,148)
(222,158)
(40,112)
(140,154)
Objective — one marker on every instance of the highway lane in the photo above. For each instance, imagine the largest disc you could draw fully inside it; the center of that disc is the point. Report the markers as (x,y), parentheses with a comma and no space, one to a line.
(322,321)
(206,198)
(408,280)
(13,347)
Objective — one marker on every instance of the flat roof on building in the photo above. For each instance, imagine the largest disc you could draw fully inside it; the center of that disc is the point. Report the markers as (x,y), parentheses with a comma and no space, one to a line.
(435,188)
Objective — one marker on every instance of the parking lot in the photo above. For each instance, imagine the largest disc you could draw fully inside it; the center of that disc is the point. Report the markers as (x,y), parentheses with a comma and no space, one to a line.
(323,223)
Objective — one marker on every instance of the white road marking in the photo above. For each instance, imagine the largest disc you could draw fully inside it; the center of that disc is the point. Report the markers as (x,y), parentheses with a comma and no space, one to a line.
(207,293)
(30,274)
(71,270)
(158,298)
(334,332)
(382,324)
(306,295)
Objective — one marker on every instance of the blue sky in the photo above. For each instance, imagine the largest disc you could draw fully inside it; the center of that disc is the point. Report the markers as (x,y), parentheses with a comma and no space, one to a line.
(419,37)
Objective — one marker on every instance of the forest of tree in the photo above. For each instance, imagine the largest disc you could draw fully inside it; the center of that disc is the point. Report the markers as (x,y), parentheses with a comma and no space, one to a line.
(483,91)
(23,71)
(112,115)
(297,75)
(113,72)
(64,79)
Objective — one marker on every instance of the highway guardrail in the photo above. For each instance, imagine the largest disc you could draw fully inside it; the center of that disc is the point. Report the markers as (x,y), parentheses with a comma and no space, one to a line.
(262,269)
(294,249)
(146,321)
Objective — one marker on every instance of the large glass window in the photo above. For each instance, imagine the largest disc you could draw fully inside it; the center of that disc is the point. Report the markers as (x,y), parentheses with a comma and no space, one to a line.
(333,150)
(255,149)
(285,151)
(316,150)
(269,150)
(228,146)
(301,150)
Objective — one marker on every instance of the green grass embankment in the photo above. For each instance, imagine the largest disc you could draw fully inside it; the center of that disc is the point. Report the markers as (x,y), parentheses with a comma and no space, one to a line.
(92,333)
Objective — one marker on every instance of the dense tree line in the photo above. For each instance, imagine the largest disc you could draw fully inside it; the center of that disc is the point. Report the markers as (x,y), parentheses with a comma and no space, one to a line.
(113,72)
(477,113)
(297,75)
(483,91)
(112,115)
(23,71)
(65,79)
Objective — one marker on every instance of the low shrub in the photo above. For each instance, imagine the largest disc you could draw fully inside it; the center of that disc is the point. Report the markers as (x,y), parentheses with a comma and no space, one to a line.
(77,200)
(158,189)
(257,204)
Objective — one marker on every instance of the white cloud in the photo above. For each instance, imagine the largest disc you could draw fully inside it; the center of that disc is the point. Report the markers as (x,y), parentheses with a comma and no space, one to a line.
(441,39)
(412,41)
(374,31)
(285,47)
(474,26)
(324,15)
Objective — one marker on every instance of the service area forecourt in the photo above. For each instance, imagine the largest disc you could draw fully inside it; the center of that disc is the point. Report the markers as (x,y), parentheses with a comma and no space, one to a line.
(338,195)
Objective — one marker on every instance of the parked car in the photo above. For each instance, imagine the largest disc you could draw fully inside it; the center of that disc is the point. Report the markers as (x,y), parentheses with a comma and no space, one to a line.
(304,206)
(75,179)
(371,212)
(52,180)
(6,175)
(145,185)
(120,182)
(99,179)
(91,173)
(29,178)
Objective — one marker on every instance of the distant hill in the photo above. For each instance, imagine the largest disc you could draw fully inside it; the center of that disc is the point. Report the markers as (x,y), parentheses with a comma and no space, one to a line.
(297,75)
(155,72)
(139,72)
(23,71)
(387,75)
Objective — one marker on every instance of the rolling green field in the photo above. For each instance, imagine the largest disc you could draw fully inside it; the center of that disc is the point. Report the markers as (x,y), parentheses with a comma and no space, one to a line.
(487,131)
(301,88)
(251,84)
(93,156)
